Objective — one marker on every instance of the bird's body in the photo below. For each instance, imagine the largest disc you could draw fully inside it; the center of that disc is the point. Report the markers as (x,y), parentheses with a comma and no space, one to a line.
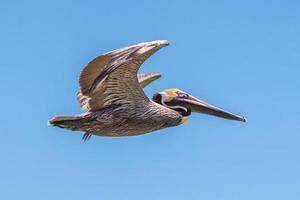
(125,120)
(111,91)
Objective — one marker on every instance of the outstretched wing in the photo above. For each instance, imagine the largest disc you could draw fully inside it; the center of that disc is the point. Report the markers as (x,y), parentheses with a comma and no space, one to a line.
(112,78)
(143,78)
(147,78)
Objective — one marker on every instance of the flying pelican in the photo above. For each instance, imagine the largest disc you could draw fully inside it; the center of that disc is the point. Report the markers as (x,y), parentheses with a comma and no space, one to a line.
(111,90)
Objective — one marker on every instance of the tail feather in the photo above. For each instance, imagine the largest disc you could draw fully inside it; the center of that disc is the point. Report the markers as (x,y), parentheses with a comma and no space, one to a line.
(69,122)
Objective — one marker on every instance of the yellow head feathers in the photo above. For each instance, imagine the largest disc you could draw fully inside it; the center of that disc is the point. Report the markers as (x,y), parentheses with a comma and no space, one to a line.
(172,92)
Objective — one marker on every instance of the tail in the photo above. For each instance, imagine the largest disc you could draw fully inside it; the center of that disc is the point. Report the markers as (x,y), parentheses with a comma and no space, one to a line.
(69,122)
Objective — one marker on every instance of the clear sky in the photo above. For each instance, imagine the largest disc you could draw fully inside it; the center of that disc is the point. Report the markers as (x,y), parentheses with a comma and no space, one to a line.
(243,56)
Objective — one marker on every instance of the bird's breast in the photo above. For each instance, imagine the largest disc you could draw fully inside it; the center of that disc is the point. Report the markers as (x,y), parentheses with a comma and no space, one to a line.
(184,119)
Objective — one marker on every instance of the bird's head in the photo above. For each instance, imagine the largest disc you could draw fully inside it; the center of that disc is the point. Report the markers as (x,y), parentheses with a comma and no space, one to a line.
(184,103)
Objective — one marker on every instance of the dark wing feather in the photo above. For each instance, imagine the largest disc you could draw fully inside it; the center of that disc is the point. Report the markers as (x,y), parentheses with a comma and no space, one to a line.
(91,71)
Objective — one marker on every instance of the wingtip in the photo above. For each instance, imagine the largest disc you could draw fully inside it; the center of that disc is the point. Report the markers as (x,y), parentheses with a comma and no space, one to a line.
(161,43)
(155,74)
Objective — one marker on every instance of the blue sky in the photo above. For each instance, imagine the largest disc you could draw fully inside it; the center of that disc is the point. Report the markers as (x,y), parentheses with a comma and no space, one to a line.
(241,56)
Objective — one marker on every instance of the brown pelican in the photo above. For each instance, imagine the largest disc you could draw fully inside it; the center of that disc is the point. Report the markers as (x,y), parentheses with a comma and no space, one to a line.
(111,90)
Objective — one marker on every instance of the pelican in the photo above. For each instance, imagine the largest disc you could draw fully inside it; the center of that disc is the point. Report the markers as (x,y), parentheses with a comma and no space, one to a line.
(111,91)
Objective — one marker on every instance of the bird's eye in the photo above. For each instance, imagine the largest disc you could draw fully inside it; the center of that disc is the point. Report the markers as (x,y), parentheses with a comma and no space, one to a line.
(183,95)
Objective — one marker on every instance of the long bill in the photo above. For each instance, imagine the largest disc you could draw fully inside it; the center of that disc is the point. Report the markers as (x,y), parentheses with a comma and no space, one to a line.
(196,105)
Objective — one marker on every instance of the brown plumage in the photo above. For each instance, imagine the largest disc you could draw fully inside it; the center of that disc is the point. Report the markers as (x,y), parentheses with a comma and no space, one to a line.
(112,92)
